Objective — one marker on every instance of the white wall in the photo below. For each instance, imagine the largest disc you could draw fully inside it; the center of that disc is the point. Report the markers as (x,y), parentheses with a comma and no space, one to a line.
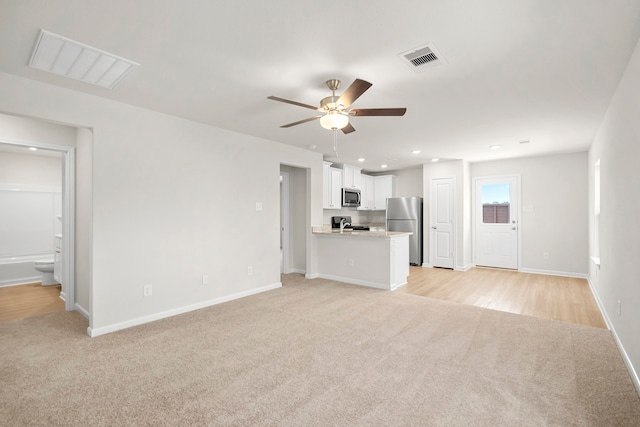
(172,200)
(409,182)
(29,169)
(30,195)
(617,145)
(84,214)
(555,187)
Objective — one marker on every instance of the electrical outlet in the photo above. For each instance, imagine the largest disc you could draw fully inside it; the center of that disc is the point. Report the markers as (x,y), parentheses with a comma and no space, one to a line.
(545,255)
(249,271)
(258,206)
(147,290)
(205,279)
(351,262)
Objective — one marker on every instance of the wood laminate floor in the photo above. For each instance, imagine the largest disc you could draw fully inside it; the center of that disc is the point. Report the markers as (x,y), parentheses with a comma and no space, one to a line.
(22,301)
(548,297)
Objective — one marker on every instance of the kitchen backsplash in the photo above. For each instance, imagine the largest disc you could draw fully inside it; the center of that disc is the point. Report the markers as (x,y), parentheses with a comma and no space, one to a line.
(357,217)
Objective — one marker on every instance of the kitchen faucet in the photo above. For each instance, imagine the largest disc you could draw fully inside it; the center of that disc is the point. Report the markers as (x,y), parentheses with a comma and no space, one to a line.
(343,224)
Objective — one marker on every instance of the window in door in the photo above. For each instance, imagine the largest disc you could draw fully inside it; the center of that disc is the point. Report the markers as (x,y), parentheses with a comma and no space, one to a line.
(496,203)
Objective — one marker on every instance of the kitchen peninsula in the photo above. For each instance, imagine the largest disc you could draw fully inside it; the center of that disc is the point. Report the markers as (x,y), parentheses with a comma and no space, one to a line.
(377,259)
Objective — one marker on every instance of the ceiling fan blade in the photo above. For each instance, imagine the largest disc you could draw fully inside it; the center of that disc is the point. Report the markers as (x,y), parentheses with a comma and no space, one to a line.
(288,101)
(299,122)
(353,92)
(348,129)
(377,112)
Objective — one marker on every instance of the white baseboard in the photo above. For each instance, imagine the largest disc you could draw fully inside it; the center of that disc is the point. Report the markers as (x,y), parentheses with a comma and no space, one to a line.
(94,332)
(464,268)
(632,372)
(359,282)
(554,273)
(311,276)
(81,310)
(20,281)
(299,271)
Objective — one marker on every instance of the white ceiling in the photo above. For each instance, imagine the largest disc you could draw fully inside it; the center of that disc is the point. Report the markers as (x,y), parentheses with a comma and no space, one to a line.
(537,70)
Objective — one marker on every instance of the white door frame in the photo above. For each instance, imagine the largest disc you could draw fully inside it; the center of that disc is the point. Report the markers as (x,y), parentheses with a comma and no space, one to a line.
(474,215)
(68,213)
(453,225)
(285,223)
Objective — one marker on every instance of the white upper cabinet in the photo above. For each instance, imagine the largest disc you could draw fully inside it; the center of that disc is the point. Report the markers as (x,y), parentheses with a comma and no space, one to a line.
(351,177)
(384,188)
(367,193)
(331,187)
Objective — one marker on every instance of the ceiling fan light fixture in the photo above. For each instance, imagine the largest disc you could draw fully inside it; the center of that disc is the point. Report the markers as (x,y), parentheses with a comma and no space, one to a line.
(334,120)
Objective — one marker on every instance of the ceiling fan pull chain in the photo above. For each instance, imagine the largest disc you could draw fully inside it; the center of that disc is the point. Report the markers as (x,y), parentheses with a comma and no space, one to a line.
(335,142)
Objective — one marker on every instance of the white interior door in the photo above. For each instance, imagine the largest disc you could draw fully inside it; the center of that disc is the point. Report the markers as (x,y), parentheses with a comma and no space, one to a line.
(441,219)
(496,222)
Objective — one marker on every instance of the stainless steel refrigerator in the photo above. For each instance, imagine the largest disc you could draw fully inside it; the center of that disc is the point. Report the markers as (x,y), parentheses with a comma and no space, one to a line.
(405,214)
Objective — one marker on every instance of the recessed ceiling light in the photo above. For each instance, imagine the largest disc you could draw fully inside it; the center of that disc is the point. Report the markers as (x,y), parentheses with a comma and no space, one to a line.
(416,152)
(494,147)
(32,148)
(526,141)
(312,146)
(435,160)
(383,166)
(361,159)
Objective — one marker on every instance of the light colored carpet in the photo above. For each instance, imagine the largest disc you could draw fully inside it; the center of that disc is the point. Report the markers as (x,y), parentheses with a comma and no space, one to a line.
(317,352)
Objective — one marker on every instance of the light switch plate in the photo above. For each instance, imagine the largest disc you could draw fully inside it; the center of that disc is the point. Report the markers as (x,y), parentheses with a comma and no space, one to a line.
(258,206)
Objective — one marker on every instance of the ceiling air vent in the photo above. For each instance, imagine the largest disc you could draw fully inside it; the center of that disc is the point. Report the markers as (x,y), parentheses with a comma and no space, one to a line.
(423,57)
(68,58)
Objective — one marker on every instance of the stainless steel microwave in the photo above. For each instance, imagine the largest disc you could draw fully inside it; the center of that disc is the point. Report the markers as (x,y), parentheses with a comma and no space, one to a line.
(351,198)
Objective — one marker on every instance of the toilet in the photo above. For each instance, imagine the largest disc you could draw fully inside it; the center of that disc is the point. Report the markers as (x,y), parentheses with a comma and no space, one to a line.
(46,268)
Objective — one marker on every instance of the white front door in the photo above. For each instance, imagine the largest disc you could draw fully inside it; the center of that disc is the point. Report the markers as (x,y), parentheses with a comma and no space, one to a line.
(496,222)
(441,219)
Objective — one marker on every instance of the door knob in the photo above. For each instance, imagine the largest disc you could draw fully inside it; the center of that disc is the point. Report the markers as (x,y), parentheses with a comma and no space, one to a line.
(513,228)
(434,227)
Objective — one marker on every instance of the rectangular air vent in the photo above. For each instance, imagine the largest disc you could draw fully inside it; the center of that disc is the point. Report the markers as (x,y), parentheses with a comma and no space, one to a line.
(68,58)
(423,57)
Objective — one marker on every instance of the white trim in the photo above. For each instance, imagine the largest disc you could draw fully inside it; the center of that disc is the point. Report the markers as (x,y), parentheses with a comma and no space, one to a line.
(554,273)
(20,281)
(30,188)
(285,223)
(81,310)
(352,281)
(68,211)
(298,270)
(427,265)
(312,276)
(625,357)
(464,267)
(94,332)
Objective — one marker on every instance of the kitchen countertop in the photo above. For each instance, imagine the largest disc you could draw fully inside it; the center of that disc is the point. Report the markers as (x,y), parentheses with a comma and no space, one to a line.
(359,233)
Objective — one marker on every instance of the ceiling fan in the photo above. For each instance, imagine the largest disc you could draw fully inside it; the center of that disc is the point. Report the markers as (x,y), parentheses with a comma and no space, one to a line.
(336,109)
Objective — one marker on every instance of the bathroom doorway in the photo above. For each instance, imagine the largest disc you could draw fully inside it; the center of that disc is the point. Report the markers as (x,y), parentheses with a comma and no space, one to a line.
(25,136)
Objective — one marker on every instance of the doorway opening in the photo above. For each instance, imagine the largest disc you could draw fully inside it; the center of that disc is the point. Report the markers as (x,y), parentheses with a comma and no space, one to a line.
(294,219)
(63,221)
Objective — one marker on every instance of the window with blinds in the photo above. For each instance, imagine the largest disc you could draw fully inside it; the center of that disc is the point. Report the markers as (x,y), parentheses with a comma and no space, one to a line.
(495,214)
